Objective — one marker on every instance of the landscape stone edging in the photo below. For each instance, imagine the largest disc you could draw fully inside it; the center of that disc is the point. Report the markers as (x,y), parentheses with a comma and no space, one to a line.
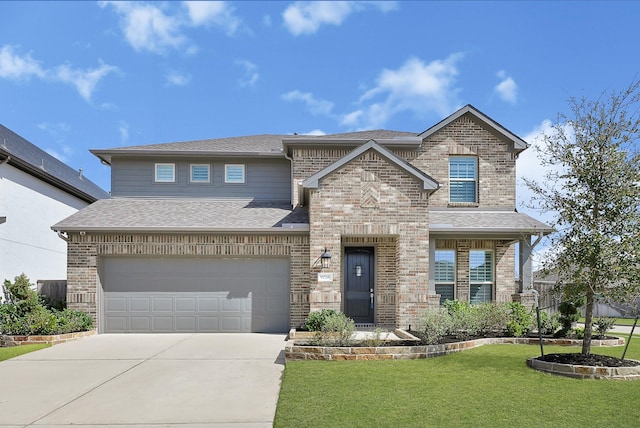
(586,372)
(53,339)
(342,353)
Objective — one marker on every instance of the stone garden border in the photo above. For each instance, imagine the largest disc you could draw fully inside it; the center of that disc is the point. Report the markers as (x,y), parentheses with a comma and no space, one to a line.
(54,339)
(586,372)
(295,351)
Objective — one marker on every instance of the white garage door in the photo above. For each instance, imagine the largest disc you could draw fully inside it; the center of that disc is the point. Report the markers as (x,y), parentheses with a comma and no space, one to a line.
(177,295)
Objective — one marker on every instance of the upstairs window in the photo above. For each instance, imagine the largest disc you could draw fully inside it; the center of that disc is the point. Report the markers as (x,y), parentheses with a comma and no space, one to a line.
(480,276)
(199,173)
(234,173)
(444,274)
(165,173)
(463,179)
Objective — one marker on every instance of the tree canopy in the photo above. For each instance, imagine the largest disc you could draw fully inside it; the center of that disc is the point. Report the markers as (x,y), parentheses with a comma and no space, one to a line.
(593,189)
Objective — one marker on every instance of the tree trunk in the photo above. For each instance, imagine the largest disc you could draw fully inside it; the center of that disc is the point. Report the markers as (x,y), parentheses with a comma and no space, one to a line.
(588,323)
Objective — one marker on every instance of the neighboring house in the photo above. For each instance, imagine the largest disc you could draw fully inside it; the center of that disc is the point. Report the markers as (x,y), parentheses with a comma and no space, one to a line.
(36,191)
(253,233)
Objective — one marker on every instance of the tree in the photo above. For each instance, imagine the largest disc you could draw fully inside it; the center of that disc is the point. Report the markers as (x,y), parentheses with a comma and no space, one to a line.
(593,189)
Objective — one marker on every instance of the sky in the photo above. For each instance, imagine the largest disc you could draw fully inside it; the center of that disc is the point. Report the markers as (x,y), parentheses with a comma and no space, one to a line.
(76,76)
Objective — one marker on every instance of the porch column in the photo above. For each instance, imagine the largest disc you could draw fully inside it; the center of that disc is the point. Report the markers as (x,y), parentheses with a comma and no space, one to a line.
(525,277)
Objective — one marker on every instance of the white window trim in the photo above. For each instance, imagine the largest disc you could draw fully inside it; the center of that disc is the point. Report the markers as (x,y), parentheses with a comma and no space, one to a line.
(475,180)
(235,165)
(493,274)
(453,284)
(173,173)
(208,166)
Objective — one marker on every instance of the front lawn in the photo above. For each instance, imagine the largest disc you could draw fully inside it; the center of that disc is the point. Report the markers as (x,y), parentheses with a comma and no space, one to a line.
(489,386)
(14,351)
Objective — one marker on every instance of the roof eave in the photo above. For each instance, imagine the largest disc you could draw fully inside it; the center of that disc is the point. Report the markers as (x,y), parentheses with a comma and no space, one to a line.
(107,155)
(303,229)
(47,178)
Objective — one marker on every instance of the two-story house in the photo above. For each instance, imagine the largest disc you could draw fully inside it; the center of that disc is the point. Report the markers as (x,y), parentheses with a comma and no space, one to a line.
(253,233)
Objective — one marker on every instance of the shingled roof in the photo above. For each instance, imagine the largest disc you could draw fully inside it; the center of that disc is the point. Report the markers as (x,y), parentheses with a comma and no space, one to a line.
(186,215)
(478,221)
(263,145)
(22,154)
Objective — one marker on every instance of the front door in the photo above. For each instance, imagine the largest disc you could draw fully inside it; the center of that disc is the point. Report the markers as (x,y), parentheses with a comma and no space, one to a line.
(358,284)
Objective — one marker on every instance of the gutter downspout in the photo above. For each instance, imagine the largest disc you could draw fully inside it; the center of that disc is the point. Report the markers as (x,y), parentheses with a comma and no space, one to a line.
(62,236)
(5,160)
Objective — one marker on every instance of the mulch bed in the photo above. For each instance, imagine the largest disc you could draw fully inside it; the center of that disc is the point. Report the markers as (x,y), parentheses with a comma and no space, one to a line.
(588,360)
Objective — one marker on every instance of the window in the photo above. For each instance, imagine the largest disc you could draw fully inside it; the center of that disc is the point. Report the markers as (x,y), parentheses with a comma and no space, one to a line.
(480,276)
(444,274)
(463,179)
(165,173)
(199,173)
(234,173)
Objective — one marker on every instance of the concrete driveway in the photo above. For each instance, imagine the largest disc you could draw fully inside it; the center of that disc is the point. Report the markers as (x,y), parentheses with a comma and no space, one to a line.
(185,380)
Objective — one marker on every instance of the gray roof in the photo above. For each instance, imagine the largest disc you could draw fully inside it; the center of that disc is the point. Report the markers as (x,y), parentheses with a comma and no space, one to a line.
(26,156)
(186,215)
(480,221)
(250,145)
(428,183)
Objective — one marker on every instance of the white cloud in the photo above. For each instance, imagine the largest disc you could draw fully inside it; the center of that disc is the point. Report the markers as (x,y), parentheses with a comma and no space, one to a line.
(14,66)
(85,81)
(123,129)
(307,17)
(159,27)
(250,75)
(315,132)
(206,13)
(315,106)
(507,88)
(146,27)
(416,86)
(56,130)
(175,78)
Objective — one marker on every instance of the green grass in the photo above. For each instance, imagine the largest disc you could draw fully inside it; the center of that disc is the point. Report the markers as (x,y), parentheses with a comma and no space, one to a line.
(619,321)
(489,386)
(14,351)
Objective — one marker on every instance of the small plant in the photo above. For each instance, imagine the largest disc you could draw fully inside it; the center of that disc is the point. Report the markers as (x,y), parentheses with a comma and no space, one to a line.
(578,332)
(602,325)
(520,319)
(435,324)
(316,320)
(375,338)
(336,330)
(569,315)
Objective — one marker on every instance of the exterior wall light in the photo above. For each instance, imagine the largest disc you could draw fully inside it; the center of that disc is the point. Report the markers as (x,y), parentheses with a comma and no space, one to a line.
(325,259)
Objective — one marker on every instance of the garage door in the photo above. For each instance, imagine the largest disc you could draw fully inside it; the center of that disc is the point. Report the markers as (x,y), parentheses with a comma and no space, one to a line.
(177,295)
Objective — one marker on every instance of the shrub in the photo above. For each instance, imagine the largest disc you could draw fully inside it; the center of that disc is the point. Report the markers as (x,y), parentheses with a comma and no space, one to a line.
(492,317)
(336,330)
(569,314)
(24,313)
(602,325)
(519,319)
(316,320)
(549,324)
(578,332)
(464,317)
(435,324)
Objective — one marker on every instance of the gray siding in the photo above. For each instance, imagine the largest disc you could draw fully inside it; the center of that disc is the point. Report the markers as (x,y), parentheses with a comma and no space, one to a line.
(266,179)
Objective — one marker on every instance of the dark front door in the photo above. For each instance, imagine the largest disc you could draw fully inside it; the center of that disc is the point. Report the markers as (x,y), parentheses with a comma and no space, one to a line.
(358,284)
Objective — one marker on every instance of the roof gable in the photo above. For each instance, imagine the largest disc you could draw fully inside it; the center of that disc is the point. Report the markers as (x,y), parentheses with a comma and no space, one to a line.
(518,143)
(428,183)
(26,156)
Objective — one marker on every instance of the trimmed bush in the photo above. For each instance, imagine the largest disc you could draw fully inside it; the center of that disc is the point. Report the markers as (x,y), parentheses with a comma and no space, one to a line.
(336,330)
(520,319)
(316,320)
(435,324)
